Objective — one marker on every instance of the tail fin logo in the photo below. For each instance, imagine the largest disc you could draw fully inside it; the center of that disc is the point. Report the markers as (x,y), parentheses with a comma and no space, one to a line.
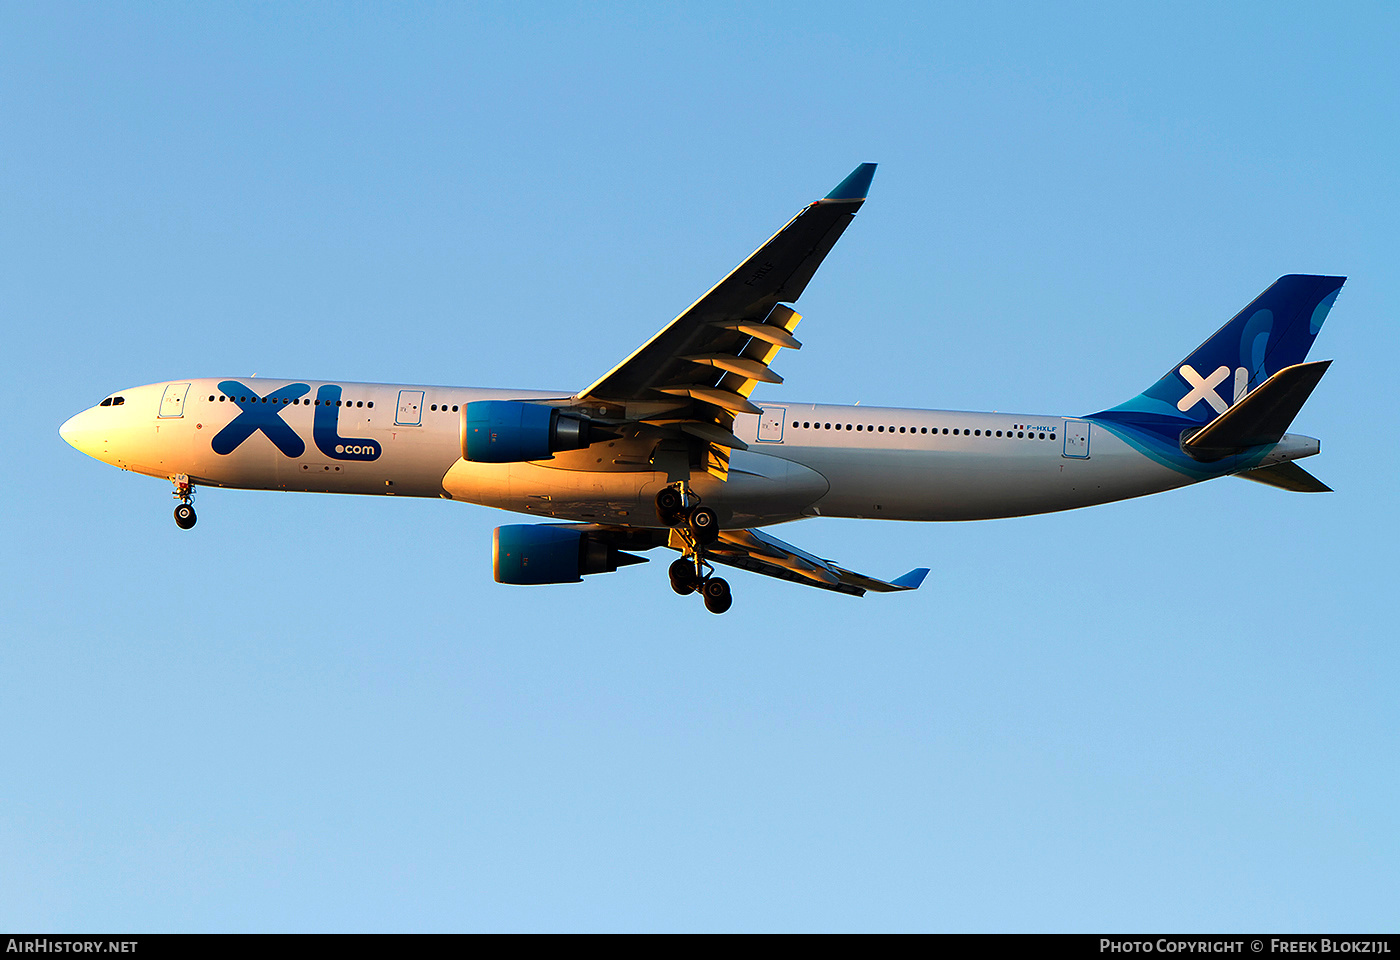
(1203,388)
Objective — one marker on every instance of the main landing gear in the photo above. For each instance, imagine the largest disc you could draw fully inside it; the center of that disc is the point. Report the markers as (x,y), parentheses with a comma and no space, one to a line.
(184,492)
(698,526)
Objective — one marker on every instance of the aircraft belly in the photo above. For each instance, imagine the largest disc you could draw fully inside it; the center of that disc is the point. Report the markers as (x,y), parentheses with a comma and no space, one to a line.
(759,490)
(982,485)
(536,488)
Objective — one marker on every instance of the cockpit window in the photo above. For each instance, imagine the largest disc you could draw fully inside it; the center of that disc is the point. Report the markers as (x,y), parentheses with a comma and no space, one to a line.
(106,403)
(113,402)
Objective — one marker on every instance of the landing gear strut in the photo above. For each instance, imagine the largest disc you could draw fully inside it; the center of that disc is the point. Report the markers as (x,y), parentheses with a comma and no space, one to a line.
(698,526)
(184,492)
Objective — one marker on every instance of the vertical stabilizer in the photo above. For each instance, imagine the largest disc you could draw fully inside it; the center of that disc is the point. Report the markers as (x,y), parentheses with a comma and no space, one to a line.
(1273,332)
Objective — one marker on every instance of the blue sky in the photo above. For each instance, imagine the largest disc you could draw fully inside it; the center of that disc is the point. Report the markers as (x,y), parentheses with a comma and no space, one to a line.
(320,713)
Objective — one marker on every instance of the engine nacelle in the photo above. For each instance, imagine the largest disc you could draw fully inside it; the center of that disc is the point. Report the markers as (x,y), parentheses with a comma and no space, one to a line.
(511,431)
(541,553)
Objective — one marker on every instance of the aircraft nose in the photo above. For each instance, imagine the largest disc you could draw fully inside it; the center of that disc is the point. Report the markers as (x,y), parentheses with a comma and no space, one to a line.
(69,429)
(78,432)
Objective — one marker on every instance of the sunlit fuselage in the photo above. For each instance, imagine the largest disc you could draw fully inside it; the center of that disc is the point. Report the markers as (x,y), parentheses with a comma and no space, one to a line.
(803,459)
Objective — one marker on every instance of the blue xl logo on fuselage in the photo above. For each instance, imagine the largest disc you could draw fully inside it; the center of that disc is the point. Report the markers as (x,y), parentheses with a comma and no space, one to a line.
(260,413)
(265,414)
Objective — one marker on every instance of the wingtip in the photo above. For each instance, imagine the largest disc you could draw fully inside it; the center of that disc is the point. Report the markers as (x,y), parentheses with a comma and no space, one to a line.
(856,186)
(911,580)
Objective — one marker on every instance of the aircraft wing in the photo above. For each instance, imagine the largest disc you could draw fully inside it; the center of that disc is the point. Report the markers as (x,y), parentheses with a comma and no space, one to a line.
(758,552)
(762,553)
(698,372)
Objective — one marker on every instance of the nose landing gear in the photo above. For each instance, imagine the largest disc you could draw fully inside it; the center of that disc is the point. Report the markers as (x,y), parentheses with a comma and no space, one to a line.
(698,526)
(184,492)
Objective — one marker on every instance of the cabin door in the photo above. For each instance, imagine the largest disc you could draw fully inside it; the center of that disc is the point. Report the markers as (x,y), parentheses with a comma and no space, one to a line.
(1077,439)
(172,403)
(410,408)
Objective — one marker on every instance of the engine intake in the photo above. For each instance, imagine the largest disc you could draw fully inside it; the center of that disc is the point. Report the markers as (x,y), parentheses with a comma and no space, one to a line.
(511,431)
(527,553)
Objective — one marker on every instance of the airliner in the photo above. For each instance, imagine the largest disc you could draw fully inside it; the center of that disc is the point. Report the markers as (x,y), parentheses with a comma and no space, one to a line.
(671,449)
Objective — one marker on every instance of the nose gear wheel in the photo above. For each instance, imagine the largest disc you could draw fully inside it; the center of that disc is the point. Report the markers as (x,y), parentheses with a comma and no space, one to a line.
(184,492)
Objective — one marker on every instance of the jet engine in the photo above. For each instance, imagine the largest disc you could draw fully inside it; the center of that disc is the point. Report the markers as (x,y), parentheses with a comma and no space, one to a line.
(543,553)
(510,431)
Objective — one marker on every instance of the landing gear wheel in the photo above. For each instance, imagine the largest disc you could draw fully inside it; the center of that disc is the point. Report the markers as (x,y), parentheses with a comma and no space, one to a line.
(184,516)
(683,578)
(670,506)
(717,596)
(704,524)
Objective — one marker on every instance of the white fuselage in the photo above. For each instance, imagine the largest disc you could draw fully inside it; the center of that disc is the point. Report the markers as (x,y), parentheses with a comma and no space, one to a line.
(803,459)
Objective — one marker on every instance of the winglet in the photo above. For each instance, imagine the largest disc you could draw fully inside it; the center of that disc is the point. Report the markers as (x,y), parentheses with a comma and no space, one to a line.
(856,186)
(912,579)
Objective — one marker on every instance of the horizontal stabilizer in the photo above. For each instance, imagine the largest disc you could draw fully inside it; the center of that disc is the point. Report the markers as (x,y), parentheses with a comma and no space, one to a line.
(1262,417)
(1287,476)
